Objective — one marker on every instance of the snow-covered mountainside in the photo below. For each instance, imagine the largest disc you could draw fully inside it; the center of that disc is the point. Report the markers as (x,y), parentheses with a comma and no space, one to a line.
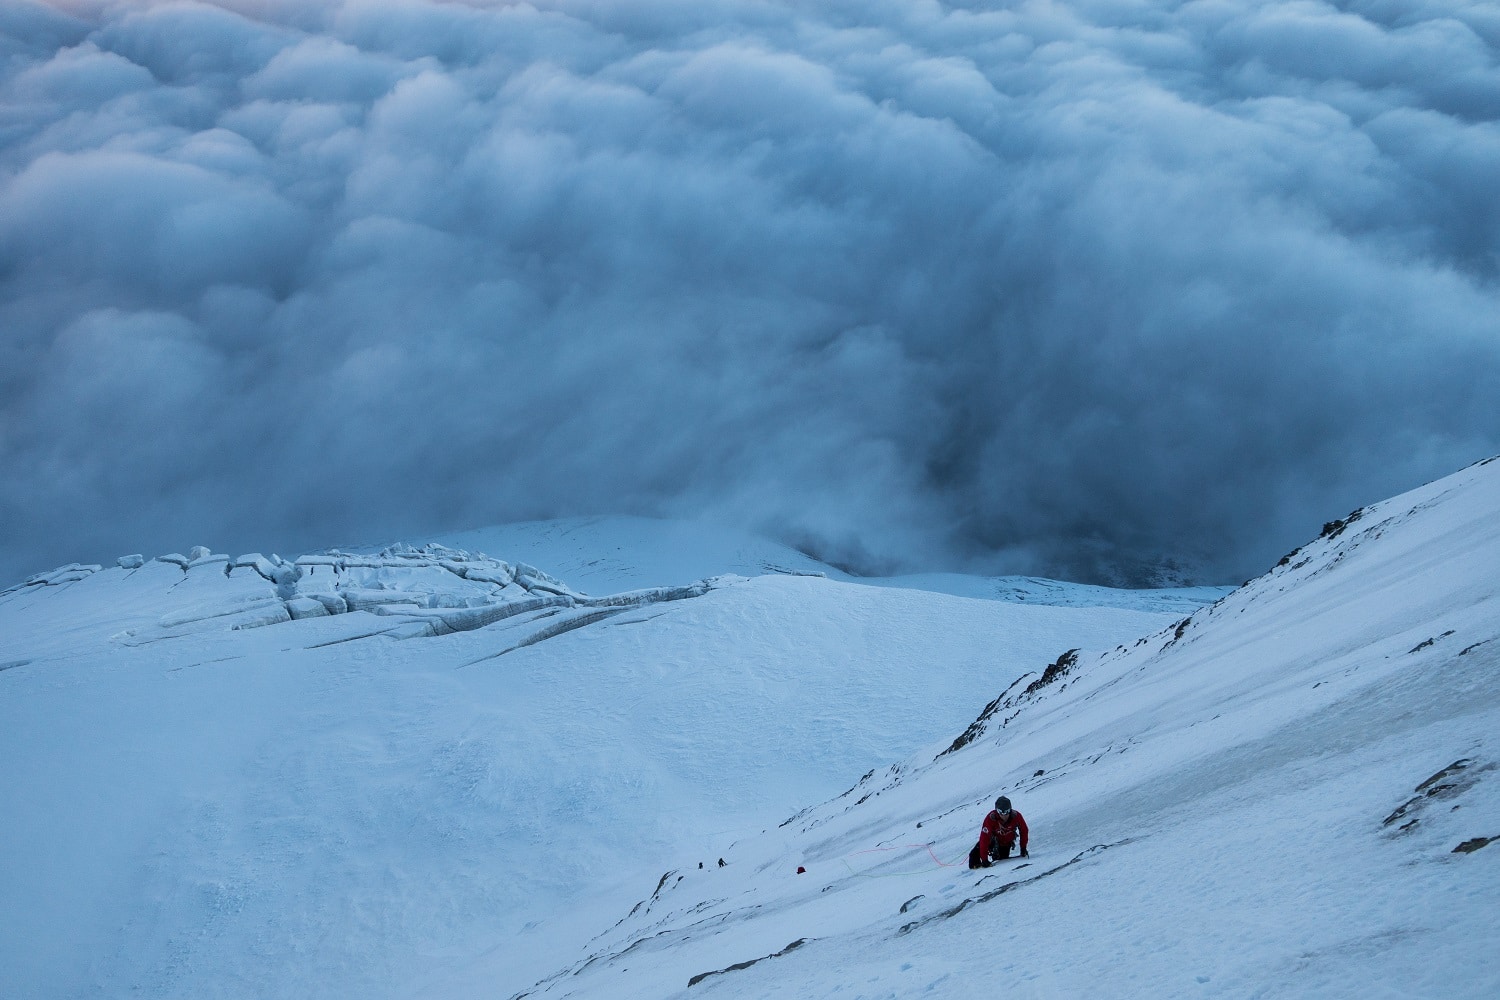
(624,553)
(1293,792)
(364,773)
(426,772)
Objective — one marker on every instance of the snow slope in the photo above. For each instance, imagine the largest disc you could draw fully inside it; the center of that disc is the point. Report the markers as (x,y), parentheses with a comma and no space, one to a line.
(624,553)
(363,773)
(607,554)
(1290,793)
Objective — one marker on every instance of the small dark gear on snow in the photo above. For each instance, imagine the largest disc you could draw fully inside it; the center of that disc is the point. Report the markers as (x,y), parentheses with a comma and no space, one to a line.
(721,862)
(700,864)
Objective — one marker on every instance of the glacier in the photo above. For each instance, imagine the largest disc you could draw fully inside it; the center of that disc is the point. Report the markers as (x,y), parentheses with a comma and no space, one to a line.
(470,776)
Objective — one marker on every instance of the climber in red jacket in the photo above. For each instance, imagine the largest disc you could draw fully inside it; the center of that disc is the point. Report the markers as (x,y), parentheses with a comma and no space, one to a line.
(998,835)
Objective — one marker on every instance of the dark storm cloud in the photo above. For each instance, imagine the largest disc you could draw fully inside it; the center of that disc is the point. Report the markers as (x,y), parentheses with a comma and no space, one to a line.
(1070,288)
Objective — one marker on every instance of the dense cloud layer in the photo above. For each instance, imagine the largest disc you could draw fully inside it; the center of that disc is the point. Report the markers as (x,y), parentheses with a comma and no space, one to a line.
(1069,288)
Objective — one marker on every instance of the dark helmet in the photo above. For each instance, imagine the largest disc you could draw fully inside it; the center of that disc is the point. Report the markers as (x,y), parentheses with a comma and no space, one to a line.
(1003,804)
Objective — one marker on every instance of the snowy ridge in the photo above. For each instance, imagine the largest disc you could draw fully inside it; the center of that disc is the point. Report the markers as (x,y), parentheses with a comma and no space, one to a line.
(631,552)
(214,790)
(1056,593)
(1289,792)
(1286,793)
(426,592)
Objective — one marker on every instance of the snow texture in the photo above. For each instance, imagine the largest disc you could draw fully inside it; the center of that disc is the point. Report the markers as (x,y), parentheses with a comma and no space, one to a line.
(213,775)
(1291,791)
(1287,793)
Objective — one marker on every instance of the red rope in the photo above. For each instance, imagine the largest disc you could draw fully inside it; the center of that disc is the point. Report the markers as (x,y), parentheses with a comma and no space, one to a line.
(926,847)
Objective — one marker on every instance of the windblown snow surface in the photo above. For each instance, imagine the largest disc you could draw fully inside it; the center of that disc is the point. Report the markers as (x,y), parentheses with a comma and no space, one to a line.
(1288,793)
(426,772)
(349,774)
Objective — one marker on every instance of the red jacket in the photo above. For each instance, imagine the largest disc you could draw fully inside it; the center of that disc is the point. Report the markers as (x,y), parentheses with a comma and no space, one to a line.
(1003,830)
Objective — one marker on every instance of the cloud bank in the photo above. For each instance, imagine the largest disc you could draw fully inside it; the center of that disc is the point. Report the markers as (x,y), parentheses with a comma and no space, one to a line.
(1077,288)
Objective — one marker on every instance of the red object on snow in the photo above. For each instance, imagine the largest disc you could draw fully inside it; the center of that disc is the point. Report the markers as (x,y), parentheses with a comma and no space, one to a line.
(801,870)
(1003,829)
